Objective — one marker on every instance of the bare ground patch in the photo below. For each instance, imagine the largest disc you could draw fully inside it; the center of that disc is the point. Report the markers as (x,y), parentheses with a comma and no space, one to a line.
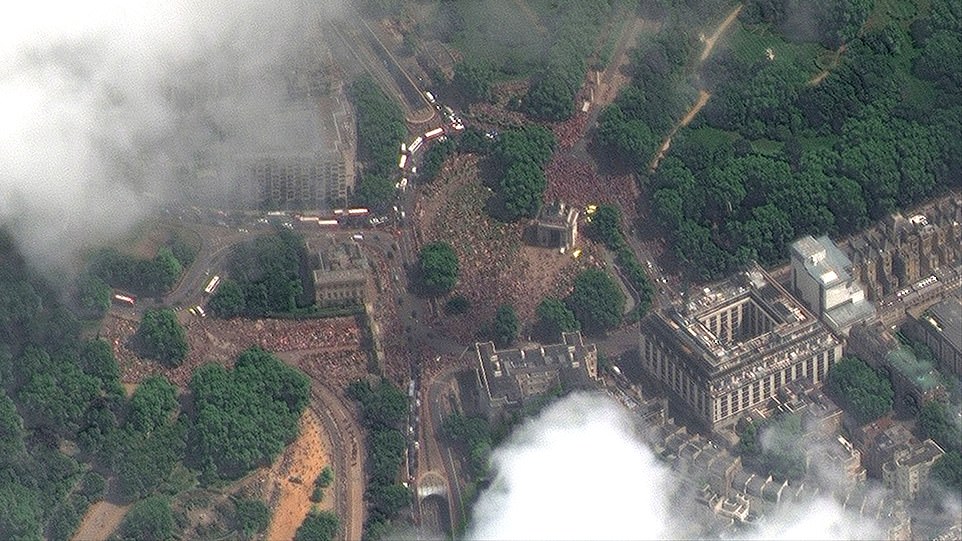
(100,521)
(291,478)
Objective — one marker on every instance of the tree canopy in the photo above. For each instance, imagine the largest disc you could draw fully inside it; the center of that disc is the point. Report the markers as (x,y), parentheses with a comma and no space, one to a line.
(161,337)
(151,518)
(473,80)
(505,326)
(245,416)
(384,408)
(935,421)
(948,470)
(269,271)
(142,276)
(380,127)
(438,266)
(318,526)
(596,301)
(860,389)
(228,301)
(555,318)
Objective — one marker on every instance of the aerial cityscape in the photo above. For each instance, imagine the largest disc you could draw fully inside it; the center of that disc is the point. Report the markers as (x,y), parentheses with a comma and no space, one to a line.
(481,269)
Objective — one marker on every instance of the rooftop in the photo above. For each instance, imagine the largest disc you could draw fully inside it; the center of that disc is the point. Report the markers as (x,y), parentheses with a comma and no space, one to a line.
(503,371)
(946,318)
(789,329)
(339,261)
(921,373)
(556,213)
(822,260)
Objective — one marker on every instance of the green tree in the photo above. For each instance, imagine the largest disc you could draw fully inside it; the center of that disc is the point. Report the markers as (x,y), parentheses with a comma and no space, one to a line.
(96,358)
(861,390)
(473,79)
(389,499)
(438,266)
(244,417)
(152,403)
(325,478)
(228,301)
(93,295)
(948,470)
(596,301)
(374,191)
(531,143)
(549,98)
(380,127)
(318,526)
(505,325)
(161,337)
(522,187)
(11,431)
(143,460)
(456,305)
(268,270)
(935,421)
(629,139)
(151,518)
(555,318)
(22,511)
(606,226)
(251,516)
(434,159)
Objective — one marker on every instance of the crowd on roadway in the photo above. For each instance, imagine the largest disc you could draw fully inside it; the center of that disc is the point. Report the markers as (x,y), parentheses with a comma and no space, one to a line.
(214,340)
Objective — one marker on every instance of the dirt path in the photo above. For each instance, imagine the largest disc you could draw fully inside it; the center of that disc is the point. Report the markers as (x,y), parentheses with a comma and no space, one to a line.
(710,41)
(703,95)
(293,477)
(100,522)
(820,76)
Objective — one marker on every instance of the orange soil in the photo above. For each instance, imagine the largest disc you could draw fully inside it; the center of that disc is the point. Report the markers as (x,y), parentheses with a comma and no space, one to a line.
(101,520)
(293,476)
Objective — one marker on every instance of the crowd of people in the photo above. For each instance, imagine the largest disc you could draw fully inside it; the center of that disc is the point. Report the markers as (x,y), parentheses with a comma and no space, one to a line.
(570,132)
(575,182)
(220,341)
(336,368)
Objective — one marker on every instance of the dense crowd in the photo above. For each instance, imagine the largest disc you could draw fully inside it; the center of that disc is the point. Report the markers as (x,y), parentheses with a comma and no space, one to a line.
(220,341)
(575,182)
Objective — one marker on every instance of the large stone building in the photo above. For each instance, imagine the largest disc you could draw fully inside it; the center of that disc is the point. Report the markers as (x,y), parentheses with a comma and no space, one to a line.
(340,276)
(732,346)
(510,378)
(822,279)
(899,252)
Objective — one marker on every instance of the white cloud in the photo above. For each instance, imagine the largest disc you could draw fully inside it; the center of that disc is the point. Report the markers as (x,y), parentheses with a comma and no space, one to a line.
(578,471)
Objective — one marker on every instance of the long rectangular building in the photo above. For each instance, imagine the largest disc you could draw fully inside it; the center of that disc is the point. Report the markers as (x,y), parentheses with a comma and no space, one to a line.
(734,345)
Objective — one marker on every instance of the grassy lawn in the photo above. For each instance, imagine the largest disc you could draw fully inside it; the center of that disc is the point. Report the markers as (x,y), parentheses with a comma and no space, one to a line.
(750,44)
(148,236)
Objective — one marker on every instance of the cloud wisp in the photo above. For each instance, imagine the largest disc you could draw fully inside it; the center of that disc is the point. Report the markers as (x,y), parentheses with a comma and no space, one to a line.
(580,471)
(104,101)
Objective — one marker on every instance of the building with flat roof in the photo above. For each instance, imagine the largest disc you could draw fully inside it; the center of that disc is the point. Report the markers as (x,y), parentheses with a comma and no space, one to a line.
(510,378)
(733,345)
(822,278)
(340,276)
(940,328)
